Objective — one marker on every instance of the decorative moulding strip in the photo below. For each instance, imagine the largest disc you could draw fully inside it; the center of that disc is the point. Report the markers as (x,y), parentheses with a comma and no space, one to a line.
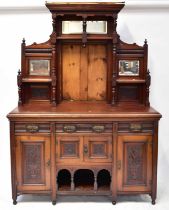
(138,6)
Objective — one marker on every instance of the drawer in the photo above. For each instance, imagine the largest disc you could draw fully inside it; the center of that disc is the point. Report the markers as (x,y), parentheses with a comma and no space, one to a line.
(84,128)
(135,127)
(32,127)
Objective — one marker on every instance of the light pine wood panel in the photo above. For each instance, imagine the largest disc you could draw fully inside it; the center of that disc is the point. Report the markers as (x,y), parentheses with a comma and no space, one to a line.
(71,72)
(84,72)
(97,72)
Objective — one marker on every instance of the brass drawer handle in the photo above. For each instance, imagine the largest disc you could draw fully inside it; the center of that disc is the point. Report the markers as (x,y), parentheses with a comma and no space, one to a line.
(135,127)
(98,128)
(69,128)
(32,128)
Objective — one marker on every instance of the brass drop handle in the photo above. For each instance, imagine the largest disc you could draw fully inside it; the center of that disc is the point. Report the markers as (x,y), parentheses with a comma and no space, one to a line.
(32,128)
(48,163)
(85,149)
(135,127)
(69,128)
(98,128)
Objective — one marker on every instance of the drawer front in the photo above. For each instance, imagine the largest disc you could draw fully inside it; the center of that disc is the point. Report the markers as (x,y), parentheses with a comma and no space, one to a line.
(145,127)
(69,149)
(83,128)
(32,128)
(97,148)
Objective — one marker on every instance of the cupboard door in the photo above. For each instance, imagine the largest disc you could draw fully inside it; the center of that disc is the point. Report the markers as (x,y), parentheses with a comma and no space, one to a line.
(33,163)
(97,148)
(69,148)
(134,163)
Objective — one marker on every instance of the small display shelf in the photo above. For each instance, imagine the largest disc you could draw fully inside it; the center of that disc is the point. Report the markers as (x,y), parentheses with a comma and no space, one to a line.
(83,181)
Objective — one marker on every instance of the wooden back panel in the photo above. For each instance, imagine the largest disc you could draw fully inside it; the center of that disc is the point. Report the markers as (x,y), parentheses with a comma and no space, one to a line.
(84,72)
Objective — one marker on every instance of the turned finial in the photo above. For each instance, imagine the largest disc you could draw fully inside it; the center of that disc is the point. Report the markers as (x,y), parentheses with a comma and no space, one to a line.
(23,41)
(145,42)
(19,72)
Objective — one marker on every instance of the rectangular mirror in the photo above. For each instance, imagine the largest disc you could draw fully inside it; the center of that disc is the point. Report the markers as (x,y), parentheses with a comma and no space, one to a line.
(75,27)
(39,67)
(128,67)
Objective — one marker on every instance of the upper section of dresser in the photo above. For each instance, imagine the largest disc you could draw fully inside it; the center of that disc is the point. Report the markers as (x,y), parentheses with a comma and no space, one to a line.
(84,60)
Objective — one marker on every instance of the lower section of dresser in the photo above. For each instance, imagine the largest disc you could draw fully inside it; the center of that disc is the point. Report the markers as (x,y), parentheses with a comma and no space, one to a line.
(109,159)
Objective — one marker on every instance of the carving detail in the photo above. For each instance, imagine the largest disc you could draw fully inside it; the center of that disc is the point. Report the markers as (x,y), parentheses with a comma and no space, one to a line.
(69,149)
(98,149)
(32,164)
(135,164)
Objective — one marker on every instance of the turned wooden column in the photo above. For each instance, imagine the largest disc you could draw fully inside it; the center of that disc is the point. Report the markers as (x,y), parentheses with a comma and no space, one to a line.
(19,83)
(53,64)
(114,74)
(95,182)
(72,182)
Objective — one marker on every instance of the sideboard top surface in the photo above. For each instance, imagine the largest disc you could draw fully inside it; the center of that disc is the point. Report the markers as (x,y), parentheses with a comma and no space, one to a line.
(83,110)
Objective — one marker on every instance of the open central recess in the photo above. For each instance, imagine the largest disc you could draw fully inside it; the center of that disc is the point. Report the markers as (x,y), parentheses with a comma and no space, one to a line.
(84,72)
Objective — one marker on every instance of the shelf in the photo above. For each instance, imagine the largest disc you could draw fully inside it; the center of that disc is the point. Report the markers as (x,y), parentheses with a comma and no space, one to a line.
(129,81)
(79,37)
(36,80)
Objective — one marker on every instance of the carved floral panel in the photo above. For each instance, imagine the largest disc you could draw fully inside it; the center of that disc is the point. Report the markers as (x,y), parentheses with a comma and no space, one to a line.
(32,163)
(69,148)
(135,163)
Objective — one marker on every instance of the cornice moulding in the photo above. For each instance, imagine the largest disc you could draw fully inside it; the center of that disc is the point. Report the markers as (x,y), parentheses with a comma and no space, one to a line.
(133,6)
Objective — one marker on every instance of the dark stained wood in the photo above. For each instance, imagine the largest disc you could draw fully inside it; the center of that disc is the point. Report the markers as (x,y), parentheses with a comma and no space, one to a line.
(84,129)
(84,110)
(134,165)
(33,163)
(53,165)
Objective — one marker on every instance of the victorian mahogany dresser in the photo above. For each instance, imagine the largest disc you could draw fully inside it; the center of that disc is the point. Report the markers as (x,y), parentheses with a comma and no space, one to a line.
(84,125)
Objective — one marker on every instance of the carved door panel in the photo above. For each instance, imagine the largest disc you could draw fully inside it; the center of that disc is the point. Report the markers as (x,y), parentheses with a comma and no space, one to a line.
(97,148)
(33,162)
(134,163)
(69,148)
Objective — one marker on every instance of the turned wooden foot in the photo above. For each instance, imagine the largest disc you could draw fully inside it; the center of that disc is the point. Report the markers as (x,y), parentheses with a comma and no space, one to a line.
(153,202)
(114,202)
(14,202)
(53,202)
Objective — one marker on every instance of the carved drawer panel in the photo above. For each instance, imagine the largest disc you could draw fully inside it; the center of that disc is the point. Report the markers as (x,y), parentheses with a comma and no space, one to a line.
(97,148)
(135,127)
(32,128)
(83,127)
(68,148)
